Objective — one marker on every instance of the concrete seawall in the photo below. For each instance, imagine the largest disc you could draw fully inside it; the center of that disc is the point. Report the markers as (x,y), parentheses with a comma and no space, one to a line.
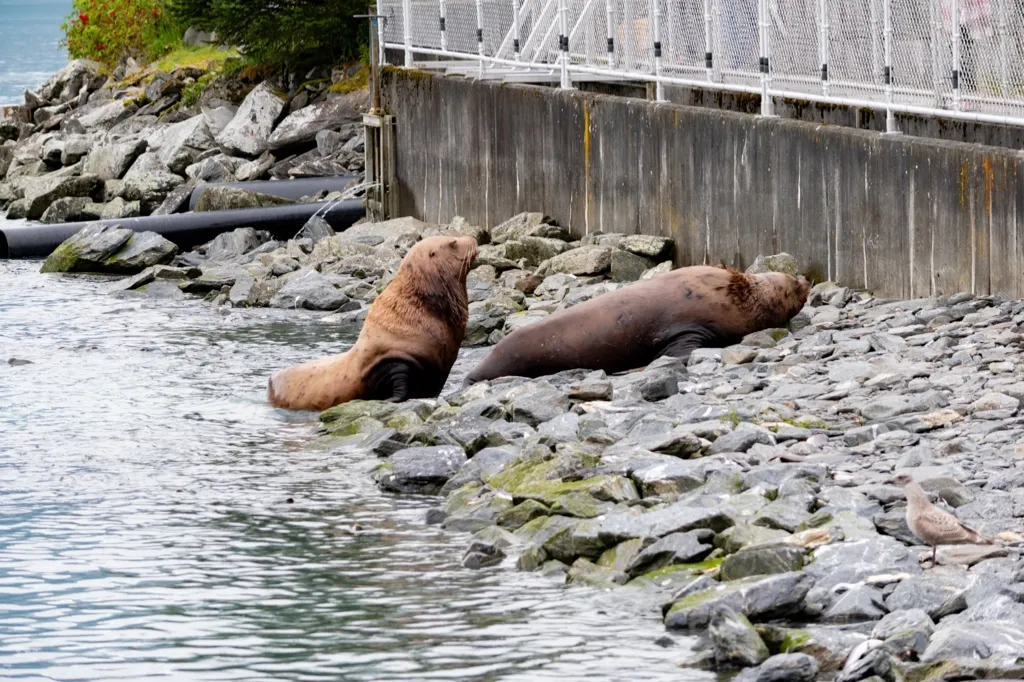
(899,215)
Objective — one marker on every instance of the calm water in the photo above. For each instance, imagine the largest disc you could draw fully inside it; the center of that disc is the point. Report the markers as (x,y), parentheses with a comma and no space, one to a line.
(146,533)
(29,51)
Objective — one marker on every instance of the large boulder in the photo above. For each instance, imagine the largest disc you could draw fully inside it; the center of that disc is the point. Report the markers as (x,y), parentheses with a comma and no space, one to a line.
(71,209)
(180,143)
(310,290)
(112,161)
(39,193)
(586,260)
(302,126)
(225,198)
(249,131)
(102,116)
(230,245)
(68,82)
(149,180)
(103,248)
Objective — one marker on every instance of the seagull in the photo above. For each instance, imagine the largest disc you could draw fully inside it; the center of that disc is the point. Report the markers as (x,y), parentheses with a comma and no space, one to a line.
(932,525)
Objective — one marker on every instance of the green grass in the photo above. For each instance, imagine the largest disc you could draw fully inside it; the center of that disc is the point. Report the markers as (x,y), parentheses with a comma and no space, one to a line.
(200,57)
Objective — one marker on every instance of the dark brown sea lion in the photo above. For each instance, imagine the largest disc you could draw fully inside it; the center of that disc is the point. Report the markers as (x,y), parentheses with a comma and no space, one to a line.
(672,314)
(407,345)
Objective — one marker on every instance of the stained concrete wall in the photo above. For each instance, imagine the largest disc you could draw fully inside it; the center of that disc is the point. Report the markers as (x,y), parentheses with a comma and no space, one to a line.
(901,216)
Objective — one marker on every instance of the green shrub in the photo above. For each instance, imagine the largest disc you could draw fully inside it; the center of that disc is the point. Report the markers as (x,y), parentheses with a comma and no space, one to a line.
(292,35)
(106,30)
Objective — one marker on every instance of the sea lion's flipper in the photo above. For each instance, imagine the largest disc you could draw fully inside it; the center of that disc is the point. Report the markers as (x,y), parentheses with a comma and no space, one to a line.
(391,380)
(680,340)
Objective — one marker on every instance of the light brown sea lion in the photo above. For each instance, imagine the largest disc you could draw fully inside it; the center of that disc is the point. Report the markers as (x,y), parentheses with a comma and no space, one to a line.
(407,345)
(671,314)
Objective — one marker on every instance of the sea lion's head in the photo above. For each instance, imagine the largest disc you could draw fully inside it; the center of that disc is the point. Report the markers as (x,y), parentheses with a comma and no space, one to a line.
(434,272)
(785,294)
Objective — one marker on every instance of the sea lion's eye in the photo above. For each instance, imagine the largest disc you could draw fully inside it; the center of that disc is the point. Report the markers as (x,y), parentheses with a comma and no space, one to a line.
(432,254)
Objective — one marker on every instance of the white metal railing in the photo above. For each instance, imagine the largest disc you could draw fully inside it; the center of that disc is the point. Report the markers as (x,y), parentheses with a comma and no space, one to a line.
(891,55)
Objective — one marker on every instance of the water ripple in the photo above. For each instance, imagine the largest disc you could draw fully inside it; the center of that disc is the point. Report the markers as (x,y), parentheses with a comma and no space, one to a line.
(146,529)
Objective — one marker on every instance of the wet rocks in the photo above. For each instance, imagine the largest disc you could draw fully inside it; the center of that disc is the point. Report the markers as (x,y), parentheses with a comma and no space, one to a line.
(782,668)
(100,248)
(310,290)
(757,598)
(734,640)
(422,470)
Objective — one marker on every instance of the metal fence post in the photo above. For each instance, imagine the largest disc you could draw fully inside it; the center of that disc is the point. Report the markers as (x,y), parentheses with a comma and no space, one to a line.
(659,87)
(709,60)
(515,29)
(955,30)
(442,15)
(890,117)
(767,106)
(563,43)
(611,31)
(1004,63)
(407,31)
(823,44)
(480,34)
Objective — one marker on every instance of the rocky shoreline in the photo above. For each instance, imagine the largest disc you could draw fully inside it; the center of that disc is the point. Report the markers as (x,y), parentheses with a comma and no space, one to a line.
(747,486)
(88,145)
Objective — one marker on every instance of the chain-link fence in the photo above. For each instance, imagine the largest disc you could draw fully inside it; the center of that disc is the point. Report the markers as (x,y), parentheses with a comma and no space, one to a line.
(959,58)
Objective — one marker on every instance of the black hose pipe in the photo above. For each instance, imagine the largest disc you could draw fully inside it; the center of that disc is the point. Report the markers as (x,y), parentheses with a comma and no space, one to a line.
(186,230)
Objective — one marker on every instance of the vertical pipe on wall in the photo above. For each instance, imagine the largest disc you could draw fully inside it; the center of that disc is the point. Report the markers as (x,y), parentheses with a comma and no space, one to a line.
(659,87)
(890,118)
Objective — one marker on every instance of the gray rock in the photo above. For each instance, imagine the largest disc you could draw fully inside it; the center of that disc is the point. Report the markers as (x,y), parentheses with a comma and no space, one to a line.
(88,249)
(228,246)
(482,554)
(311,290)
(859,603)
(531,250)
(112,161)
(586,260)
(739,440)
(255,169)
(780,262)
(648,246)
(886,407)
(734,641)
(527,225)
(677,548)
(757,598)
(539,407)
(900,630)
(302,126)
(674,518)
(938,592)
(143,250)
(763,560)
(195,38)
(178,145)
(71,209)
(316,228)
(667,475)
(102,117)
(853,561)
(220,168)
(39,193)
(785,513)
(223,198)
(249,132)
(422,470)
(782,668)
(119,208)
(997,642)
(627,267)
(994,401)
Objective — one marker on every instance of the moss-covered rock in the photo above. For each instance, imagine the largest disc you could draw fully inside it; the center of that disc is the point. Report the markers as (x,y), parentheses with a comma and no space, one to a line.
(619,557)
(758,598)
(741,535)
(585,572)
(105,248)
(522,513)
(762,560)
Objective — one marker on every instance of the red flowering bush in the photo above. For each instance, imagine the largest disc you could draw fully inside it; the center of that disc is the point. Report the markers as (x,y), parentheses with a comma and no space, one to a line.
(106,30)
